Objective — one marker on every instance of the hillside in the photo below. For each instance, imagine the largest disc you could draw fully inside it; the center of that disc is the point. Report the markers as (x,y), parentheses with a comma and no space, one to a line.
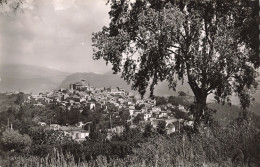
(229,113)
(225,111)
(27,78)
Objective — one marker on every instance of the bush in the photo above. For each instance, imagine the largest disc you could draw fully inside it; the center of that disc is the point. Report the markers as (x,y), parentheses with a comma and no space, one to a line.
(216,145)
(12,140)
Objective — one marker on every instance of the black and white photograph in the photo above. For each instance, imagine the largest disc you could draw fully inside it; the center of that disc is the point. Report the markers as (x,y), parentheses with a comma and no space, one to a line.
(129,83)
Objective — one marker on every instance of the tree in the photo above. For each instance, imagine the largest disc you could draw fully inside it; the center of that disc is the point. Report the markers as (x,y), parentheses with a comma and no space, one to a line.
(161,127)
(211,43)
(44,140)
(180,114)
(148,131)
(13,140)
(160,100)
(97,134)
(20,98)
(124,115)
(73,115)
(138,118)
(61,116)
(181,93)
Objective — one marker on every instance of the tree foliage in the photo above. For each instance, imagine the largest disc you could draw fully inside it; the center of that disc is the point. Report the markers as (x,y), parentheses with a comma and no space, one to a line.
(13,140)
(20,98)
(161,127)
(138,118)
(148,131)
(181,93)
(160,100)
(211,42)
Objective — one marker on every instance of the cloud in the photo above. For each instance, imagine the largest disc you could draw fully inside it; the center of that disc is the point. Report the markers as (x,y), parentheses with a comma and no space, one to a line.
(54,34)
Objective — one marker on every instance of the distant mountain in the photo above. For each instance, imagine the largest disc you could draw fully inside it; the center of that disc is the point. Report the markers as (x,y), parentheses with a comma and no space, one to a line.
(28,78)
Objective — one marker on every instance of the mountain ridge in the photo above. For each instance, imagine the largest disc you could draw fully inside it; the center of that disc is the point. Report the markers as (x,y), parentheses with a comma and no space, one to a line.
(29,78)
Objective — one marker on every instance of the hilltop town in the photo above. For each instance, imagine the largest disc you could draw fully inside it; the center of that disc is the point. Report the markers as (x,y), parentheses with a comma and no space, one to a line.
(115,107)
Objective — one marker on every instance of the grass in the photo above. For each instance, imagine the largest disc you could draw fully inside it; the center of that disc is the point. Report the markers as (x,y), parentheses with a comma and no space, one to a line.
(60,160)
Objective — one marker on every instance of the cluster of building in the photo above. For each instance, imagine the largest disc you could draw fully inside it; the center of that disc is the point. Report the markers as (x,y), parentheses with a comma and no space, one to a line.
(81,94)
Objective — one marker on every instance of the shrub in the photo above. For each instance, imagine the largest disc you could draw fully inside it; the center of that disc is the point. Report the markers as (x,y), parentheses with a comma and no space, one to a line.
(12,140)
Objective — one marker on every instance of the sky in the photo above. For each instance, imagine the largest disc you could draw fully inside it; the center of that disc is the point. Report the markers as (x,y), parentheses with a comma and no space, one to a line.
(53,33)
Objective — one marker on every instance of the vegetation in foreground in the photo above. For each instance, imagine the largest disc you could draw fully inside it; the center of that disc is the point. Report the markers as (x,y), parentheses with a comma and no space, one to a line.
(220,145)
(222,142)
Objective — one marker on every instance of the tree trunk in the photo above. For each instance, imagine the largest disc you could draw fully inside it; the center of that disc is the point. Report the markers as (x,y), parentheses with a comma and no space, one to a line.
(200,97)
(200,109)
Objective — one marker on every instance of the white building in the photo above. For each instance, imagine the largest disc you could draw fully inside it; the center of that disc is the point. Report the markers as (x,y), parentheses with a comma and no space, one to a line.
(147,116)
